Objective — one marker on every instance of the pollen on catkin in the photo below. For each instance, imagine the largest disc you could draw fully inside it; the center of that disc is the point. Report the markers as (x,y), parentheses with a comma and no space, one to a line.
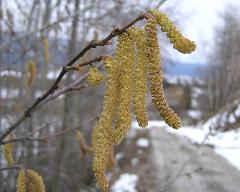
(94,77)
(179,42)
(36,180)
(140,76)
(103,132)
(156,76)
(125,57)
(30,73)
(21,181)
(46,50)
(8,152)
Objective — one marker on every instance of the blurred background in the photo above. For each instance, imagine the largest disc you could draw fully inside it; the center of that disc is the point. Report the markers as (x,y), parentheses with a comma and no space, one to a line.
(203,88)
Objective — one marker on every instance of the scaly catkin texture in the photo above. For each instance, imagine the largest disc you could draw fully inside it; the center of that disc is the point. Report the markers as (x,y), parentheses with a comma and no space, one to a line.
(8,152)
(30,73)
(140,77)
(36,181)
(180,43)
(124,56)
(94,77)
(156,76)
(21,181)
(103,132)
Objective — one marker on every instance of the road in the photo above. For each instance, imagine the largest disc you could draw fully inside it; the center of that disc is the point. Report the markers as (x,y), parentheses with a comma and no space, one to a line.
(183,167)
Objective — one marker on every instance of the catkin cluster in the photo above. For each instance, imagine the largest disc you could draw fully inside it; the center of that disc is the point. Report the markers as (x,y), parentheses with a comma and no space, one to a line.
(29,181)
(136,61)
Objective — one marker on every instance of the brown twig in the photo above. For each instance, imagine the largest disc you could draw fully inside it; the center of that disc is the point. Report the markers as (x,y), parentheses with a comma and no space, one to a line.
(12,167)
(93,44)
(76,67)
(23,139)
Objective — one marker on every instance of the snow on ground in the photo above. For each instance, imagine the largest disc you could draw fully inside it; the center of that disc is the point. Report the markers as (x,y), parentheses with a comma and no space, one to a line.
(126,183)
(226,144)
(142,142)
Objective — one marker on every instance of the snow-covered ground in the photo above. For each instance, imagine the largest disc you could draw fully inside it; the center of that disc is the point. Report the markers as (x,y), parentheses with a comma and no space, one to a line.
(226,144)
(126,183)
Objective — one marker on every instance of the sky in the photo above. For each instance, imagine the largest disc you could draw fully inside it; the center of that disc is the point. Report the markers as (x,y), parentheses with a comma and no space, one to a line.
(202,16)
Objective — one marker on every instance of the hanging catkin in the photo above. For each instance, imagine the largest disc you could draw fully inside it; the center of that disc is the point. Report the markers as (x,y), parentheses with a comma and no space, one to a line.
(179,42)
(156,76)
(30,73)
(94,77)
(125,57)
(21,181)
(36,180)
(140,76)
(46,49)
(103,132)
(8,152)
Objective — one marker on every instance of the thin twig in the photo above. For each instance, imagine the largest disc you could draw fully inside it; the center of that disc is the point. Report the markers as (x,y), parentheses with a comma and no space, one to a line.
(23,139)
(11,168)
(93,44)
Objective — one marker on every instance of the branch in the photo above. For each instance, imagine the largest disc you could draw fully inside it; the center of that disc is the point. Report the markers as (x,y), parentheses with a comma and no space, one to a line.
(12,167)
(93,44)
(23,139)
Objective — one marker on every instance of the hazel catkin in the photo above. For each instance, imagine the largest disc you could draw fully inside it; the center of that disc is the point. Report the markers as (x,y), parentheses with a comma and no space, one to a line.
(179,42)
(156,76)
(103,132)
(36,181)
(30,73)
(94,77)
(46,50)
(140,76)
(21,181)
(8,152)
(125,57)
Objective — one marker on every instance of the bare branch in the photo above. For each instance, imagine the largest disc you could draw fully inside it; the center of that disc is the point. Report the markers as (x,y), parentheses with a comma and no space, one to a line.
(93,44)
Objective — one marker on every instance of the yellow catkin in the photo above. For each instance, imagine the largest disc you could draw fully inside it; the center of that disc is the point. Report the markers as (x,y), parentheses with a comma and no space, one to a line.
(36,180)
(140,77)
(179,42)
(82,143)
(156,76)
(103,131)
(30,73)
(21,181)
(46,50)
(8,152)
(94,77)
(125,57)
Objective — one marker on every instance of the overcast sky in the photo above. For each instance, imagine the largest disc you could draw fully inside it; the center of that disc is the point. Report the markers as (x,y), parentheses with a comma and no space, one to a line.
(199,26)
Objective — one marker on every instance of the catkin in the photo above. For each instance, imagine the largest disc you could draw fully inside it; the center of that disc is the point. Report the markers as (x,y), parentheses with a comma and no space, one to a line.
(36,180)
(140,77)
(156,76)
(82,143)
(30,73)
(94,77)
(179,42)
(103,132)
(125,57)
(46,50)
(21,181)
(8,152)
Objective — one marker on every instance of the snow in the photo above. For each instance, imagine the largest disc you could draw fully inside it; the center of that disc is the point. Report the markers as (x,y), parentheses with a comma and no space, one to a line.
(195,114)
(126,183)
(142,142)
(11,73)
(226,144)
